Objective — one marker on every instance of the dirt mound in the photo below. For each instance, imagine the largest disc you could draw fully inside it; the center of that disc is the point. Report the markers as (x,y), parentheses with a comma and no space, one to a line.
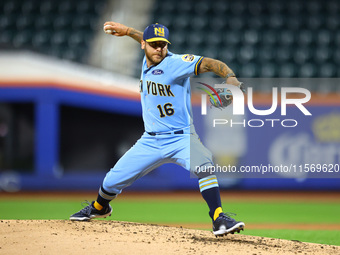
(113,237)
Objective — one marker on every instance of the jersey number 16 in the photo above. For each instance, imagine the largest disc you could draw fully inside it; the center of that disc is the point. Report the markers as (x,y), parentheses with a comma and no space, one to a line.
(166,110)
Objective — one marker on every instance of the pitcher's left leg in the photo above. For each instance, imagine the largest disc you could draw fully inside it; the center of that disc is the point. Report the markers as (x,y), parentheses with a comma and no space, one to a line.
(198,159)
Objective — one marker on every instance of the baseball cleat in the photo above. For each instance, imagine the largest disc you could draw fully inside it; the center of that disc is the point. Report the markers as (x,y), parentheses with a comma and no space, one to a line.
(89,212)
(224,225)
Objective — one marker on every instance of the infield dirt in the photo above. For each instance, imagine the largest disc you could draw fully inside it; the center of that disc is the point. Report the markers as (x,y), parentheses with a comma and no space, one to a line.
(114,237)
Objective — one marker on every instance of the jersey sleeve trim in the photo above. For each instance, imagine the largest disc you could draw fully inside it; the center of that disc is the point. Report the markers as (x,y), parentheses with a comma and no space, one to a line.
(197,66)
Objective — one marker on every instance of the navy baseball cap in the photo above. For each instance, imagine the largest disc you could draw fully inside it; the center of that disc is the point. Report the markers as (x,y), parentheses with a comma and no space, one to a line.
(156,32)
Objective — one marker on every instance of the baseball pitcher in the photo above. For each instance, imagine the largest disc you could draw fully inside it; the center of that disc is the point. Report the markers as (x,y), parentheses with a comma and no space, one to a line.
(169,135)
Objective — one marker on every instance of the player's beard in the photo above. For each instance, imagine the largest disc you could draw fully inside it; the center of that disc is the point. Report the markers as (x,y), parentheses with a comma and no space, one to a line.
(155,58)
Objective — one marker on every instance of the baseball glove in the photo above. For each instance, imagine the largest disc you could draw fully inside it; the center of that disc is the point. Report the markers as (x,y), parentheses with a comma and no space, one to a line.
(224,97)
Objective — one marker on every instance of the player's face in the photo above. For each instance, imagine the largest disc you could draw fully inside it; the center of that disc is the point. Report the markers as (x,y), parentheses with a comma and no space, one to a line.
(155,52)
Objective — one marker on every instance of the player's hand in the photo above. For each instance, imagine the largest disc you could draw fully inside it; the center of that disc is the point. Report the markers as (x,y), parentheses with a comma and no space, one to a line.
(234,81)
(115,28)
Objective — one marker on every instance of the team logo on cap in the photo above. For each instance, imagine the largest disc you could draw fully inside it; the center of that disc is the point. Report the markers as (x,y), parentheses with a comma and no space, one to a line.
(188,58)
(159,31)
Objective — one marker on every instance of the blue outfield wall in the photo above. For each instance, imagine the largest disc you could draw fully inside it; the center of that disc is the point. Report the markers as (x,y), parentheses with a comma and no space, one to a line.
(310,151)
(313,135)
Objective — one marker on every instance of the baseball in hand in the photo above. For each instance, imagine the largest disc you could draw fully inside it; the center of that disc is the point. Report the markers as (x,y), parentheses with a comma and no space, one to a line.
(108,31)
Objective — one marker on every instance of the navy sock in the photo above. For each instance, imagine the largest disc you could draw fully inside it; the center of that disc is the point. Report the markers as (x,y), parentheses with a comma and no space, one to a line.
(213,199)
(105,197)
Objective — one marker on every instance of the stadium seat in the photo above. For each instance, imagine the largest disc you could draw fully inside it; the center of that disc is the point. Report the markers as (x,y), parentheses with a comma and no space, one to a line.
(308,70)
(44,22)
(288,70)
(255,8)
(287,38)
(30,8)
(322,54)
(284,54)
(70,54)
(210,52)
(82,22)
(190,49)
(237,7)
(314,22)
(251,37)
(276,21)
(6,37)
(336,56)
(62,22)
(332,22)
(228,54)
(267,53)
(332,6)
(249,70)
(60,39)
(213,40)
(235,66)
(78,39)
(55,51)
(327,70)
(232,37)
(294,22)
(22,39)
(305,37)
(67,7)
(167,7)
(165,19)
(98,7)
(186,7)
(294,7)
(8,22)
(275,6)
(220,7)
(42,39)
(269,37)
(83,7)
(177,40)
(195,39)
(199,24)
(218,23)
(202,7)
(324,37)
(12,8)
(314,7)
(302,55)
(257,22)
(49,7)
(268,70)
(247,54)
(182,22)
(237,23)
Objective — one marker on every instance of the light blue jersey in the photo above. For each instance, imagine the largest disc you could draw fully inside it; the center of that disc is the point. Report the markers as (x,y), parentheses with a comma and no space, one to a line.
(169,135)
(165,92)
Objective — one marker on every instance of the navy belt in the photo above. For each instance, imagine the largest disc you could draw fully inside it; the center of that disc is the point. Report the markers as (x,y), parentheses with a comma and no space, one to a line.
(178,132)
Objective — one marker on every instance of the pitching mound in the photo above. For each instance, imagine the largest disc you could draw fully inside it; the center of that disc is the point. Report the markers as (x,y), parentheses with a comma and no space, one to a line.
(113,237)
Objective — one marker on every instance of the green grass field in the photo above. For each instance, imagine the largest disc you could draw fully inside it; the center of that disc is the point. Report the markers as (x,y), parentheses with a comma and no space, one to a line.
(196,212)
